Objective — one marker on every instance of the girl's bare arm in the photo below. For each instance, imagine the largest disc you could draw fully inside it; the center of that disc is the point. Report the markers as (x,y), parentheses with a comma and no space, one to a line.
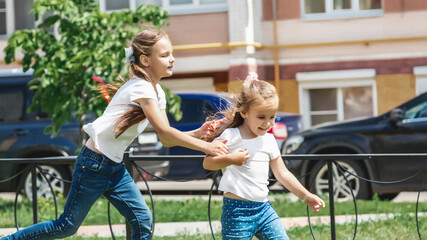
(172,137)
(237,157)
(288,180)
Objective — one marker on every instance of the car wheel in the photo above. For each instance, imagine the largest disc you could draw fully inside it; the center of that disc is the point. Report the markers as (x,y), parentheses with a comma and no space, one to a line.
(54,174)
(342,192)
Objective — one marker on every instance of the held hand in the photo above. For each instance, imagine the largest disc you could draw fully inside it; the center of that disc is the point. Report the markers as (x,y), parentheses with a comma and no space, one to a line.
(240,157)
(314,202)
(210,126)
(217,148)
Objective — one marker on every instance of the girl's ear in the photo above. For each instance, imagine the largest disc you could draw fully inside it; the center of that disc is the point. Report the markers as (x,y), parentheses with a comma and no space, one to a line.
(243,113)
(144,60)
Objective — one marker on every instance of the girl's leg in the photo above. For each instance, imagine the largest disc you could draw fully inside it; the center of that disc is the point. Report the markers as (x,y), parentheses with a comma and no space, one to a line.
(238,219)
(270,226)
(86,188)
(127,198)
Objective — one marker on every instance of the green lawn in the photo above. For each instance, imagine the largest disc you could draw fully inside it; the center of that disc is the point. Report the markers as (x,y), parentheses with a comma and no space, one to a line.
(401,227)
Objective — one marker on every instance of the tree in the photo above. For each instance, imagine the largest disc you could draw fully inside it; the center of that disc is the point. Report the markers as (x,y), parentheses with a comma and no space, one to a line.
(88,43)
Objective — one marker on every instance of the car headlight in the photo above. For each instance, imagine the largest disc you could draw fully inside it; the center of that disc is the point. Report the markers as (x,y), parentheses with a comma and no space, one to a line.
(292,144)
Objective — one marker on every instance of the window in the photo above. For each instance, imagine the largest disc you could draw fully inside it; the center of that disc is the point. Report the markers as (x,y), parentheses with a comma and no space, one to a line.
(357,102)
(6,18)
(318,9)
(179,2)
(23,18)
(336,95)
(194,6)
(418,111)
(3,17)
(325,104)
(420,73)
(15,15)
(172,6)
(114,4)
(151,2)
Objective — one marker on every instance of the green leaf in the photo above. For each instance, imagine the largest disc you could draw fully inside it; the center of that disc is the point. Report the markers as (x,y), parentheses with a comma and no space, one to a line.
(49,22)
(174,104)
(48,130)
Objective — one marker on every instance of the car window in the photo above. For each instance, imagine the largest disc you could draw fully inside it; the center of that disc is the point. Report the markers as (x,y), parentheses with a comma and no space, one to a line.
(12,105)
(194,111)
(418,111)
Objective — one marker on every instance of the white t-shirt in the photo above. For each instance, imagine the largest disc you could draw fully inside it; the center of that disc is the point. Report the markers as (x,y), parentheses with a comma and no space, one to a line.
(250,180)
(102,129)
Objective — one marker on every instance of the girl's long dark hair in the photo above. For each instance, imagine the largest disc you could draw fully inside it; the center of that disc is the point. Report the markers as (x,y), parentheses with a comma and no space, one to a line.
(142,45)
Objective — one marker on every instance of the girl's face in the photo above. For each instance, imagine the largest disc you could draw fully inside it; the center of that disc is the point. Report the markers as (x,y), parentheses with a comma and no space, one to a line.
(160,62)
(260,116)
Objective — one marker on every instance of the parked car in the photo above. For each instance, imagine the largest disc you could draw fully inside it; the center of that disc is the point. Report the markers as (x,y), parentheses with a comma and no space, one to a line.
(401,130)
(21,136)
(196,107)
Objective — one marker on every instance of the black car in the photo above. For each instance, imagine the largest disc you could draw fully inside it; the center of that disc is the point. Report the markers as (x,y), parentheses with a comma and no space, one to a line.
(21,136)
(401,130)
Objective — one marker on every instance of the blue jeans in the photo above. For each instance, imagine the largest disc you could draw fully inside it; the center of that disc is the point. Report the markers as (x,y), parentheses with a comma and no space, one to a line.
(95,175)
(242,219)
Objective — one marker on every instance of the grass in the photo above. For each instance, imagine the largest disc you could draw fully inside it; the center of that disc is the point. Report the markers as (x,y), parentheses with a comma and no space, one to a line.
(401,227)
(194,210)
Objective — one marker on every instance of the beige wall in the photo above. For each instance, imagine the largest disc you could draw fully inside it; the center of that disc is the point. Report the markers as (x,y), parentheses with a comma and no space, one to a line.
(289,97)
(393,90)
(235,86)
(288,94)
(199,28)
(221,87)
(391,25)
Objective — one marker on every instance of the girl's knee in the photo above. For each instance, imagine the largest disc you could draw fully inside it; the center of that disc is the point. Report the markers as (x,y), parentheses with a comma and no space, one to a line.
(65,228)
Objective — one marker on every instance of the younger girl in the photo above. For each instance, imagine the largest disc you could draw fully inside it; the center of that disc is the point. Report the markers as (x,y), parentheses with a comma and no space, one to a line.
(246,210)
(99,169)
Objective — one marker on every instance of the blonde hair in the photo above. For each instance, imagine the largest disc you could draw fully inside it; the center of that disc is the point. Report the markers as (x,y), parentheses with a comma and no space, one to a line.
(252,93)
(142,44)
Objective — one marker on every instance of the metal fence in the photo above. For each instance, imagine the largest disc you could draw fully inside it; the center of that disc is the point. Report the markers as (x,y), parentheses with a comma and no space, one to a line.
(330,159)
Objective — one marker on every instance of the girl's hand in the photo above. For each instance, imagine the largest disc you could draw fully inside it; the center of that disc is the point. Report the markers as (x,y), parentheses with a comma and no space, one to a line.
(209,127)
(239,157)
(217,148)
(314,202)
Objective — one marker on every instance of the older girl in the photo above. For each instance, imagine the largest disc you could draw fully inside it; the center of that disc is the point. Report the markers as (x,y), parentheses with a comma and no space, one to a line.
(99,169)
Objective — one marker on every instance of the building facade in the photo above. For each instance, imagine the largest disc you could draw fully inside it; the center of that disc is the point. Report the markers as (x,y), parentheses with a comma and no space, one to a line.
(329,59)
